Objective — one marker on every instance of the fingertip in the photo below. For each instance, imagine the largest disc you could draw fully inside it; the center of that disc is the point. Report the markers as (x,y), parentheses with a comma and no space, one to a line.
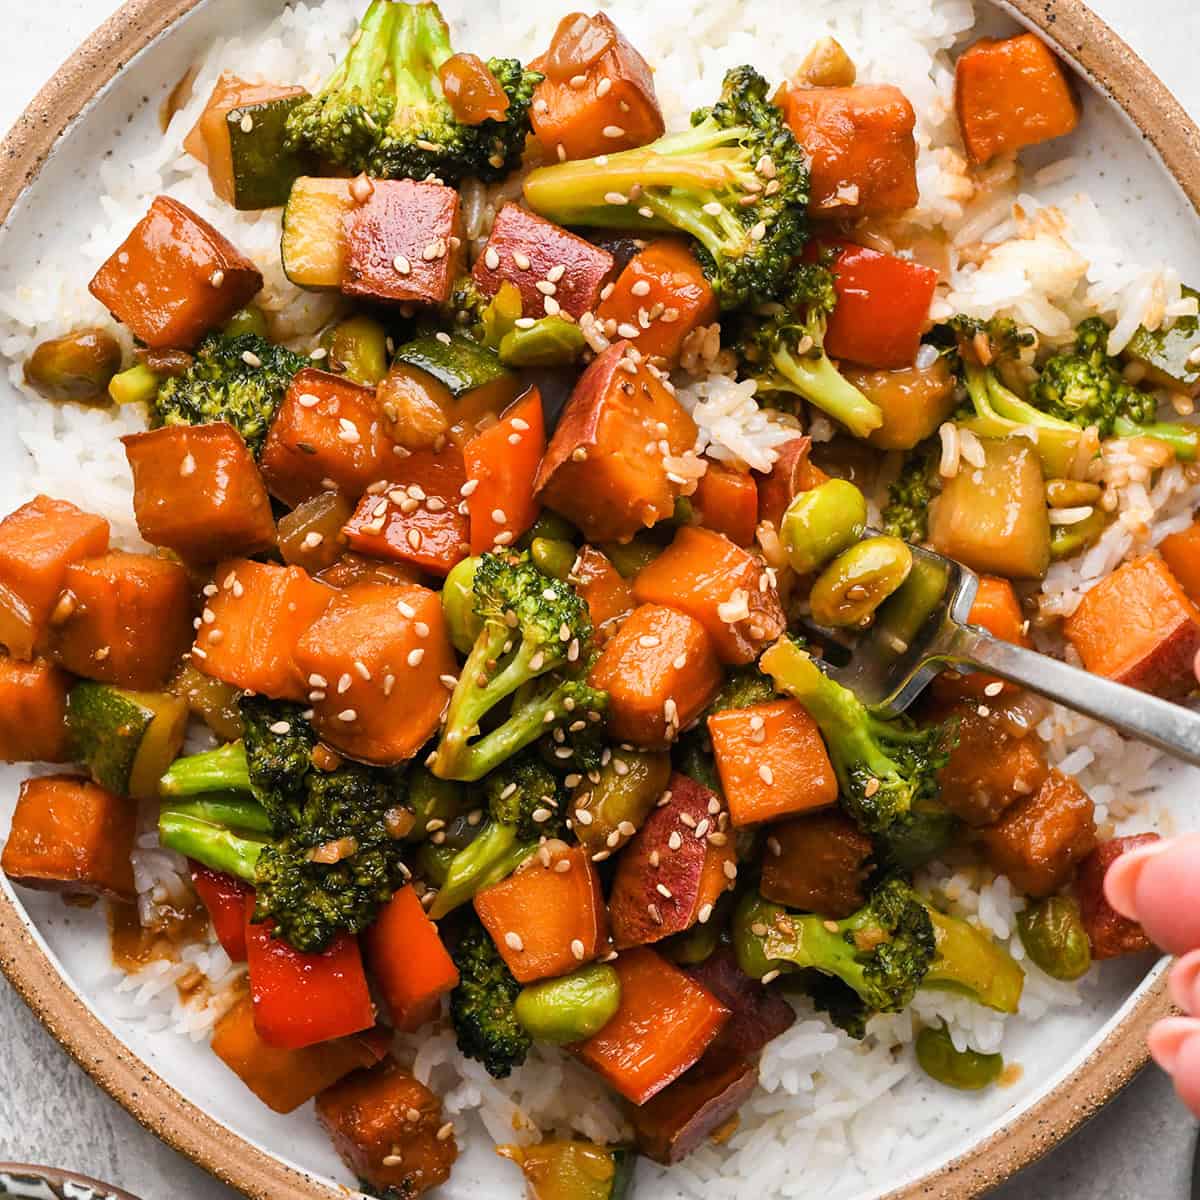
(1167,1038)
(1186,1071)
(1184,983)
(1159,887)
(1121,879)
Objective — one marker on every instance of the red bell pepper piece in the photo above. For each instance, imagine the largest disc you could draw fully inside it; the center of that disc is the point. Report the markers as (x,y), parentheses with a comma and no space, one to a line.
(225,898)
(882,309)
(302,999)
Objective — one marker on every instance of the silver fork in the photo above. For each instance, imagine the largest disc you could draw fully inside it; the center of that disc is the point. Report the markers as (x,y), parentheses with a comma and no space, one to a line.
(922,630)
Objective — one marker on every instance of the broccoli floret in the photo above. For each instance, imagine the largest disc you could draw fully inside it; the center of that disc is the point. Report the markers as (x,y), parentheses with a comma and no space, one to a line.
(482,1007)
(333,857)
(883,951)
(695,183)
(885,769)
(383,110)
(782,349)
(744,687)
(1086,387)
(907,512)
(535,629)
(240,380)
(991,340)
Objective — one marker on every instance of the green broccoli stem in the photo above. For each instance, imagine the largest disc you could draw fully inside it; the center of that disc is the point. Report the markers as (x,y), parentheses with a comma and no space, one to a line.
(371,51)
(138,385)
(210,845)
(222,770)
(492,857)
(420,45)
(233,810)
(823,385)
(1183,439)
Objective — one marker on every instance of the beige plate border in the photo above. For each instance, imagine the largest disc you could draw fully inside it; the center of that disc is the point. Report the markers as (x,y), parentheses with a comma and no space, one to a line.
(1115,69)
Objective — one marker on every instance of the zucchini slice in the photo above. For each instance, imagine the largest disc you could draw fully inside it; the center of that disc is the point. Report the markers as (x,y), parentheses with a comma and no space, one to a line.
(314,243)
(1169,354)
(126,739)
(263,169)
(461,365)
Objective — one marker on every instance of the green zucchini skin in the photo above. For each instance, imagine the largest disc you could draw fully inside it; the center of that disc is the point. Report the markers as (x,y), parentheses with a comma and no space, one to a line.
(263,169)
(1167,353)
(461,365)
(624,1164)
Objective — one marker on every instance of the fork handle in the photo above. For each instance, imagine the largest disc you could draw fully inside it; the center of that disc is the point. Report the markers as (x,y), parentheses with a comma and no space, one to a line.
(1170,727)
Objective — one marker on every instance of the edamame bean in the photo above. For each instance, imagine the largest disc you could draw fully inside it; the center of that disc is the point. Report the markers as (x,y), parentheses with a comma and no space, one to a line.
(250,319)
(550,342)
(553,557)
(1068,540)
(751,918)
(551,525)
(821,523)
(78,366)
(358,349)
(571,1008)
(630,557)
(966,1070)
(624,794)
(1054,937)
(1071,493)
(458,604)
(858,581)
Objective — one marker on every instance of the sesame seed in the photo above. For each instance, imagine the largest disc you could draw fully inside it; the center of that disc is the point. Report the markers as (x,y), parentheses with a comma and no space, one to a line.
(415,656)
(402,265)
(577,949)
(522,260)
(626,330)
(613,131)
(706,911)
(308,400)
(555,275)
(389,682)
(347,715)
(648,640)
(217,278)
(993,689)
(251,359)
(446,1132)
(435,249)
(604,87)
(491,258)
(871,788)
(552,306)
(577,81)
(730,869)
(766,774)
(759,231)
(513,941)
(344,684)
(414,538)
(770,977)
(361,668)
(312,540)
(583,816)
(674,842)
(281,727)
(655,914)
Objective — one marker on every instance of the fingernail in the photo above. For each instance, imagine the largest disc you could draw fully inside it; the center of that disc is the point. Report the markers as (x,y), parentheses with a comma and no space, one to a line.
(1182,983)
(1120,882)
(1166,1040)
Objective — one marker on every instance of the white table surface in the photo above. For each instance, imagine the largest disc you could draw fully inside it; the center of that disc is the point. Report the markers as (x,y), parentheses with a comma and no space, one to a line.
(50,1112)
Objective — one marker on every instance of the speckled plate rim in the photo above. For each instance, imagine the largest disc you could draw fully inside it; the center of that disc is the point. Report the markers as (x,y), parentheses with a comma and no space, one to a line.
(1116,71)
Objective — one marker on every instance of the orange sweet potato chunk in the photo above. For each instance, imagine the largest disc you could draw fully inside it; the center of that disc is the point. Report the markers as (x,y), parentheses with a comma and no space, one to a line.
(608,596)
(175,278)
(772,762)
(660,672)
(817,863)
(197,491)
(1138,627)
(1011,94)
(33,711)
(726,501)
(996,609)
(70,835)
(1181,553)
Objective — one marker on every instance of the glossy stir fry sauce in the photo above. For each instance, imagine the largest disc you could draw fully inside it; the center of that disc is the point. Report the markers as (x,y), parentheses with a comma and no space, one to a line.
(514,715)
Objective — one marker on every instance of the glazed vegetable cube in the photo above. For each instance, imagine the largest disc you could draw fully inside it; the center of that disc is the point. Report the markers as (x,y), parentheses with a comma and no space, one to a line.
(608,596)
(793,473)
(527,250)
(1011,94)
(410,964)
(302,999)
(389,1130)
(501,467)
(914,401)
(1111,935)
(310,536)
(197,491)
(129,619)
(69,835)
(660,885)
(547,919)
(225,899)
(660,672)
(416,518)
(286,1079)
(757,1014)
(1040,840)
(609,806)
(605,469)
(860,146)
(404,243)
(259,613)
(313,249)
(175,278)
(727,589)
(37,543)
(328,434)
(352,569)
(772,761)
(882,306)
(597,101)
(33,711)
(665,1023)
(726,501)
(374,662)
(996,609)
(1138,627)
(817,863)
(1181,553)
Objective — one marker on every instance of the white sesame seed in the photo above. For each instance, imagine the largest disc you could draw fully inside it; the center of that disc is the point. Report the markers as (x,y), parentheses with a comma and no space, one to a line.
(583,816)
(491,258)
(280,727)
(415,656)
(344,684)
(402,265)
(513,941)
(613,131)
(522,260)
(604,87)
(217,278)
(577,948)
(347,715)
(993,689)
(251,359)
(770,977)
(552,306)
(766,774)
(308,400)
(555,275)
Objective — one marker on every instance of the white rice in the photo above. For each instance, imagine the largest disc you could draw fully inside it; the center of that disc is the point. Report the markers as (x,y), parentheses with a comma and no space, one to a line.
(828,1106)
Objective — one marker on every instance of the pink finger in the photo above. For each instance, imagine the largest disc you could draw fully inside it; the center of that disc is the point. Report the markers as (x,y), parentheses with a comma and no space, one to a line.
(1184,983)
(1187,1072)
(1167,1038)
(1159,885)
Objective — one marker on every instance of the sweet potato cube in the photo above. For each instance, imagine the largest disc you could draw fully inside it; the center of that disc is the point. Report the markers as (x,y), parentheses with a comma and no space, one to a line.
(996,609)
(793,473)
(416,518)
(604,468)
(660,298)
(525,250)
(197,491)
(669,851)
(1181,553)
(70,835)
(1010,94)
(758,1014)
(664,1024)
(1041,839)
(726,501)
(660,672)
(390,644)
(817,863)
(33,711)
(914,401)
(608,596)
(285,1079)
(723,586)
(1111,934)
(387,1127)
(557,916)
(175,278)
(1138,627)
(772,762)
(614,108)
(129,620)
(404,244)
(861,149)
(37,543)
(259,613)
